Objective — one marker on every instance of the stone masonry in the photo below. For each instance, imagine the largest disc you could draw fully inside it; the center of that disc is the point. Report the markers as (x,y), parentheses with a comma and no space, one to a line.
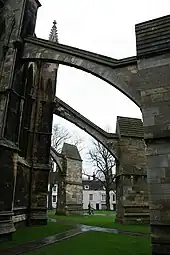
(129,151)
(131,173)
(26,100)
(27,89)
(69,179)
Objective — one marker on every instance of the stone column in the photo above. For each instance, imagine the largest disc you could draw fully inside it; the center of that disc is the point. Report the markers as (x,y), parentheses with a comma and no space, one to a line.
(61,194)
(70,189)
(153,78)
(11,101)
(131,179)
(73,181)
(40,141)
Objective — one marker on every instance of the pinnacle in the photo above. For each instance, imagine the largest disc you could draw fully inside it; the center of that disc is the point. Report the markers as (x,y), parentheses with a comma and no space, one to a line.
(53,37)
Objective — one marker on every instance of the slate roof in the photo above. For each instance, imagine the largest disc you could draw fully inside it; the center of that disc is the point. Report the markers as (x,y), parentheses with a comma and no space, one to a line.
(153,36)
(71,151)
(94,185)
(129,127)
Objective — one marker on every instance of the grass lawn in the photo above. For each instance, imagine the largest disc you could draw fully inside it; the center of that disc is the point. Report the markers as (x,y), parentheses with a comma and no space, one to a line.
(27,234)
(89,243)
(102,212)
(102,221)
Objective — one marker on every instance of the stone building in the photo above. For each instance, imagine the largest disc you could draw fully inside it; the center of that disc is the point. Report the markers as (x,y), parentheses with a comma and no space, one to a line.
(131,172)
(27,86)
(69,181)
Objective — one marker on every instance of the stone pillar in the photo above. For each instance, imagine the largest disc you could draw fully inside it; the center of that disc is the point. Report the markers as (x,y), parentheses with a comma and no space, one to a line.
(61,194)
(11,108)
(70,189)
(39,141)
(153,78)
(131,178)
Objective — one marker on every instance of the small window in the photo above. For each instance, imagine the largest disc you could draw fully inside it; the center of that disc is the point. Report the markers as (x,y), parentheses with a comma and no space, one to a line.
(113,197)
(90,196)
(86,187)
(55,188)
(54,199)
(103,197)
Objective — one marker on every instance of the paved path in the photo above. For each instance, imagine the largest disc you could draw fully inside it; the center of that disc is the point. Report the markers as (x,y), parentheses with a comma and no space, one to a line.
(101,229)
(37,244)
(78,229)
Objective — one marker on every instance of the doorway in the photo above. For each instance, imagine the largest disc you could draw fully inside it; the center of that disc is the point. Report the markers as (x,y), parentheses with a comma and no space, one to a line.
(97,207)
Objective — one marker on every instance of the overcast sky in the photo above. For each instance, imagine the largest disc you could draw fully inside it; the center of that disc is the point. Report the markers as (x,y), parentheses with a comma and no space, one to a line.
(103,26)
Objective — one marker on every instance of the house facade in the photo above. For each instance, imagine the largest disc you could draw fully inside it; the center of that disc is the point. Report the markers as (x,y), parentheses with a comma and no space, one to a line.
(95,194)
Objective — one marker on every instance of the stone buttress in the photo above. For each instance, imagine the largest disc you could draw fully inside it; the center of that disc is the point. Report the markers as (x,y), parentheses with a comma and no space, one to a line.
(70,190)
(131,173)
(17,19)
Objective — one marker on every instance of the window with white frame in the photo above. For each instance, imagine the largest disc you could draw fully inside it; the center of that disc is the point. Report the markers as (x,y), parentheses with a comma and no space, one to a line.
(103,197)
(55,188)
(90,196)
(86,187)
(54,199)
(114,197)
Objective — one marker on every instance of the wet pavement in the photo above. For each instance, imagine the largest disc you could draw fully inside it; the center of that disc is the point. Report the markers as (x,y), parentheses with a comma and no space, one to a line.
(112,231)
(84,227)
(78,229)
(37,244)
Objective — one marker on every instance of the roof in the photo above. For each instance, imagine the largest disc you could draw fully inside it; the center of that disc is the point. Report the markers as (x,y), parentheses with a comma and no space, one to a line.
(71,151)
(130,127)
(94,185)
(153,36)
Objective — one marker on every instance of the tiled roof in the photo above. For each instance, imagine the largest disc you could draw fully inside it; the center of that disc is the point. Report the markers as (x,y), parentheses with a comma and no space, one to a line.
(94,185)
(153,36)
(71,151)
(129,127)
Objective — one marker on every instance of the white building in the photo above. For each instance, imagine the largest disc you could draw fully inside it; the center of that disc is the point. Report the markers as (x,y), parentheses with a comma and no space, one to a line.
(54,195)
(94,193)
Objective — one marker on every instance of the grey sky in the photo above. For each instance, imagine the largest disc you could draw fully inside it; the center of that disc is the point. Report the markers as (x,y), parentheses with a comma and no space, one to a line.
(105,27)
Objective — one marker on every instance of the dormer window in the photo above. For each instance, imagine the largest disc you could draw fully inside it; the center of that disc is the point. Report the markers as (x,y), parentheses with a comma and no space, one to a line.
(86,187)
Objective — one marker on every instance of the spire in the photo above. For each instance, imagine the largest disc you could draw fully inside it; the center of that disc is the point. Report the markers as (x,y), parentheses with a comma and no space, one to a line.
(53,37)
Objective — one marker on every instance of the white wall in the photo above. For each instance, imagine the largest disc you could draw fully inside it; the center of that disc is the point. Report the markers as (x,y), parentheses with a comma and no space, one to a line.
(97,199)
(54,193)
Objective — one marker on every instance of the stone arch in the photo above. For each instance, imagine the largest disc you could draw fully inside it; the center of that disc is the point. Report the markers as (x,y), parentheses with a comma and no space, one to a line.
(118,73)
(108,140)
(56,157)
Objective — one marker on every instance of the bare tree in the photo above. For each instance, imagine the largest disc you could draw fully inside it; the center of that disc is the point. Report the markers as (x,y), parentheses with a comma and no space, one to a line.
(103,163)
(59,135)
(77,141)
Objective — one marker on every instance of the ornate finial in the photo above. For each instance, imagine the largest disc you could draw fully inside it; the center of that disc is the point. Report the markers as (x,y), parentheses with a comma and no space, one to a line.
(54,34)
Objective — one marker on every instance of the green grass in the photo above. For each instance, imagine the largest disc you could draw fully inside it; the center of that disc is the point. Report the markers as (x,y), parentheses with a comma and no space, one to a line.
(27,234)
(89,243)
(104,212)
(102,221)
